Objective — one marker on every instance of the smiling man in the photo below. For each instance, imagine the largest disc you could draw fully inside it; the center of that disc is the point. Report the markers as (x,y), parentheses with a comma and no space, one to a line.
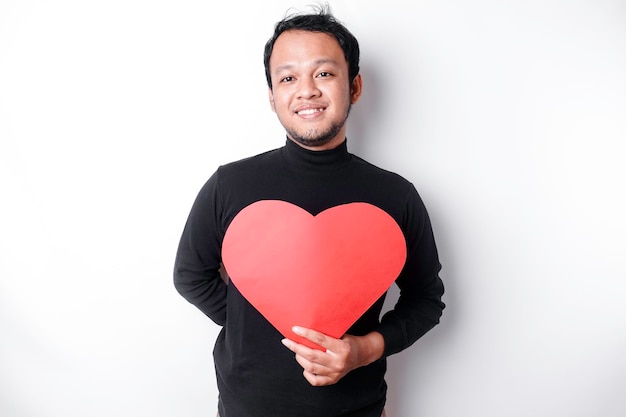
(311,90)
(312,70)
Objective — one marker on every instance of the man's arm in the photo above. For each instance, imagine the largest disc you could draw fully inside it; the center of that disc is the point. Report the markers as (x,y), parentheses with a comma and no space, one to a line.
(419,306)
(197,265)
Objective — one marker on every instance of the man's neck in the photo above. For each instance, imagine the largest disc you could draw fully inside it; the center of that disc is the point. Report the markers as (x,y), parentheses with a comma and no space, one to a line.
(332,144)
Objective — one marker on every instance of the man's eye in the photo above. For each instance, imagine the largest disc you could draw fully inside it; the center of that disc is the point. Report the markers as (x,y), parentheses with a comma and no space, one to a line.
(324,74)
(287,79)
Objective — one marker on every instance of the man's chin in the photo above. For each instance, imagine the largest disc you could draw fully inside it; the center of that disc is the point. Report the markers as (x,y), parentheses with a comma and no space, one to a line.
(311,143)
(314,139)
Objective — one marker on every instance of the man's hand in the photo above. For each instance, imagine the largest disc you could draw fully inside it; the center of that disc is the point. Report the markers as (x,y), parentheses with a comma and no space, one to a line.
(341,355)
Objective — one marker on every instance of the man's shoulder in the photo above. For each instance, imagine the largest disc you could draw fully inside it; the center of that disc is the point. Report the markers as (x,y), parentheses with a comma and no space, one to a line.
(384,174)
(249,162)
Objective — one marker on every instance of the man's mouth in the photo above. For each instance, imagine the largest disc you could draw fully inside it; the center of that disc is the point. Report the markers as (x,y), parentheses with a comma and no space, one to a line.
(308,112)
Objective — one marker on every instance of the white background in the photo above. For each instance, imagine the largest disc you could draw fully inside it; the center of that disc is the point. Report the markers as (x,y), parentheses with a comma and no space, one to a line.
(508,116)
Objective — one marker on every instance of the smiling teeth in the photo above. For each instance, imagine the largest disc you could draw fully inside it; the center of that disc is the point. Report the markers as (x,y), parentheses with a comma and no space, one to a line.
(310,111)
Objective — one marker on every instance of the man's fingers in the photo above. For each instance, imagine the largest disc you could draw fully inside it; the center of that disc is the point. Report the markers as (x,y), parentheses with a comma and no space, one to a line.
(320,367)
(320,339)
(317,380)
(305,353)
(314,363)
(312,367)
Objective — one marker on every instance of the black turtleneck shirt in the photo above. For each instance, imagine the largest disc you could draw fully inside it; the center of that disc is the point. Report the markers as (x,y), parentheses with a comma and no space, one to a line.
(256,375)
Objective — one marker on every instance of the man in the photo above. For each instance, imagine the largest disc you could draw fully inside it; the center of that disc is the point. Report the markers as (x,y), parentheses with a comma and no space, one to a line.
(312,70)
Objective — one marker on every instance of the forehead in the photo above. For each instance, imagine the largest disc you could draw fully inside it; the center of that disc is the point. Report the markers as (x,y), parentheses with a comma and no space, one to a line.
(299,47)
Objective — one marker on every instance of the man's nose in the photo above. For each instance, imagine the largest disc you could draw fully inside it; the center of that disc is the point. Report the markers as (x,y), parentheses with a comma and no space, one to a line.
(307,88)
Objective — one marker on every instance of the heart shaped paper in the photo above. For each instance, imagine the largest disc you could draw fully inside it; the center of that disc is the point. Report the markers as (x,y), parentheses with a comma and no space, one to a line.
(322,272)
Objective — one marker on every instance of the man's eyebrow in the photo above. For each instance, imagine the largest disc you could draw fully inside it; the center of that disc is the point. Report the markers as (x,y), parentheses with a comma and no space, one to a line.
(286,67)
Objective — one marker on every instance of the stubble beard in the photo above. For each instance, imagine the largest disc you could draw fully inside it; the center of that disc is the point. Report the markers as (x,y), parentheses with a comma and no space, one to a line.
(314,137)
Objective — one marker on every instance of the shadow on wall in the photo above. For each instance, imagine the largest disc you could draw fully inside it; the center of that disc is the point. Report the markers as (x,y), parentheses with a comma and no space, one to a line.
(366,113)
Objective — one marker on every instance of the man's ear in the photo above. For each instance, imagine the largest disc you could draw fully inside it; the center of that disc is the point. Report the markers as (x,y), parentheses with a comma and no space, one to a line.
(356,89)
(271,97)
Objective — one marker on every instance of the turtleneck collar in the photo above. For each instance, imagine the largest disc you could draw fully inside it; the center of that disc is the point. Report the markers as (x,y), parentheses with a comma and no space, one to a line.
(305,159)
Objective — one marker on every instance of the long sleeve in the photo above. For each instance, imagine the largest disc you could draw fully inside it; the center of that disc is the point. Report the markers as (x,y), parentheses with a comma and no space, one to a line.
(196,268)
(419,306)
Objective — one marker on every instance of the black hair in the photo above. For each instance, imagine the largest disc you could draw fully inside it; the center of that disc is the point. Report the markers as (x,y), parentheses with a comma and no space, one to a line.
(321,20)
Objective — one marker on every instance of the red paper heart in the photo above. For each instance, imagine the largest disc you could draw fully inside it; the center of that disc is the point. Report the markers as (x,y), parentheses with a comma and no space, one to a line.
(322,272)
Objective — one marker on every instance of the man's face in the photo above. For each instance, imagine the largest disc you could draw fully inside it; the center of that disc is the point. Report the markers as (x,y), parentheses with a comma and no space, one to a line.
(311,92)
